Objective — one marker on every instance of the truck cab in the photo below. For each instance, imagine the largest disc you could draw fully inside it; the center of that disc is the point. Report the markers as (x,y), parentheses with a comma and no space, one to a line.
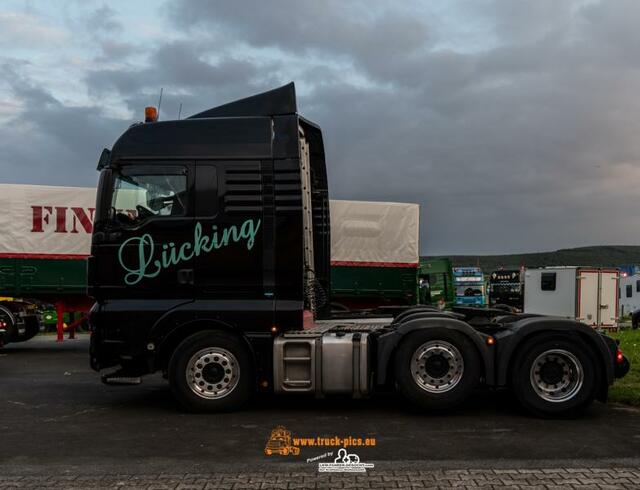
(469,286)
(203,220)
(210,262)
(506,288)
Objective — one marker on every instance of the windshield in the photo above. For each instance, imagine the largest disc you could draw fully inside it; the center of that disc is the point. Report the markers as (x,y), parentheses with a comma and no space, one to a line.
(138,197)
(469,291)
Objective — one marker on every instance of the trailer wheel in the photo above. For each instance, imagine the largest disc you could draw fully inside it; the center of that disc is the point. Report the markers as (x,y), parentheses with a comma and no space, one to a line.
(437,368)
(7,319)
(211,372)
(554,377)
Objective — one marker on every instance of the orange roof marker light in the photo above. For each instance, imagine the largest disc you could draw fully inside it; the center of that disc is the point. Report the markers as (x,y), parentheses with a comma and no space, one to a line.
(150,114)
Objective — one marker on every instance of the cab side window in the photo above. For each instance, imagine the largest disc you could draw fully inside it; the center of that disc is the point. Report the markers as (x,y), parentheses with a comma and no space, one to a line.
(139,197)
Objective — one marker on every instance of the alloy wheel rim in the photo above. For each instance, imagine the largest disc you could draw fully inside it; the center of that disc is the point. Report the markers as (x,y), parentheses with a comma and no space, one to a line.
(212,373)
(556,375)
(437,366)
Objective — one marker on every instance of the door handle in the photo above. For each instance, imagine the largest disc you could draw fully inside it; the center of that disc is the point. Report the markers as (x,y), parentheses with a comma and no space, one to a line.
(185,276)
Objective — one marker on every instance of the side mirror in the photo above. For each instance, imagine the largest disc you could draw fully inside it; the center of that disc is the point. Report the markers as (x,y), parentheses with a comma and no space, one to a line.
(105,159)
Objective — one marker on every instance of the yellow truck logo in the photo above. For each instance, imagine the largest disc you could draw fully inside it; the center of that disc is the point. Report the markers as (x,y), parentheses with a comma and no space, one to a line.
(280,443)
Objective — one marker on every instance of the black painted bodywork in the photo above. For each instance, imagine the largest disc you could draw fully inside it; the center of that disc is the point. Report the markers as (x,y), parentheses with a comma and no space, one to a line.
(242,161)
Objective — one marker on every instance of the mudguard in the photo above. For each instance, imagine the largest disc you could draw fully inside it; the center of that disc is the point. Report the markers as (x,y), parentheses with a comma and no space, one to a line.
(508,342)
(388,342)
(182,321)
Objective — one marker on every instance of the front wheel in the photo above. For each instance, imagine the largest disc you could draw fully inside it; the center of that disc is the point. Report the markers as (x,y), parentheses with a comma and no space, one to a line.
(554,377)
(211,372)
(437,368)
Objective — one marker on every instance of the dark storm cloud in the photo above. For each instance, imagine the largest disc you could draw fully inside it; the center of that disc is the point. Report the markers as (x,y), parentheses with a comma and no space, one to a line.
(187,77)
(527,143)
(525,139)
(48,142)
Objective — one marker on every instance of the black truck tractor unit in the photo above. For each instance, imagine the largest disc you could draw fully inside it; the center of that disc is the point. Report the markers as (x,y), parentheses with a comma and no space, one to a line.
(210,262)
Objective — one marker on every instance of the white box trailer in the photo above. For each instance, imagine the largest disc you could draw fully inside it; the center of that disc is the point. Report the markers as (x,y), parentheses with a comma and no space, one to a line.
(629,294)
(587,294)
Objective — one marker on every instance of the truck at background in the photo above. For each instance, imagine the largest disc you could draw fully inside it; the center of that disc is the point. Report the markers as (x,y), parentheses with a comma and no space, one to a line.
(46,237)
(586,294)
(506,287)
(374,262)
(220,279)
(436,282)
(629,293)
(469,286)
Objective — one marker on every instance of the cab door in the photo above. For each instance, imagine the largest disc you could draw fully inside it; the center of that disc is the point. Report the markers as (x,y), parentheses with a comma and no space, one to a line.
(142,246)
(229,213)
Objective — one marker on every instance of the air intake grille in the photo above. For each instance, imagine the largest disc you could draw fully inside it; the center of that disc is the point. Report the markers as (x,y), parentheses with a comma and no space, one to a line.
(243,192)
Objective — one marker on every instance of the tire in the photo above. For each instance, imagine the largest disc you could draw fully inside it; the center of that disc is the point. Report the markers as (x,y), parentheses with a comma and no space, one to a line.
(32,328)
(635,320)
(567,361)
(11,334)
(211,372)
(429,356)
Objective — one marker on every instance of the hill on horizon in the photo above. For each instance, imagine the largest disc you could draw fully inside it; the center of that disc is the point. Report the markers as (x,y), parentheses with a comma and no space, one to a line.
(595,256)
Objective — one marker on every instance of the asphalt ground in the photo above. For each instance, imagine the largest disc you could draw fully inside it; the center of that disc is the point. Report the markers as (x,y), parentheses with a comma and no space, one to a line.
(57,418)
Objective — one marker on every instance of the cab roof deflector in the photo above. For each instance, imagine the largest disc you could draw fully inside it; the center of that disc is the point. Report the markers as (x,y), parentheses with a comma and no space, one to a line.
(275,102)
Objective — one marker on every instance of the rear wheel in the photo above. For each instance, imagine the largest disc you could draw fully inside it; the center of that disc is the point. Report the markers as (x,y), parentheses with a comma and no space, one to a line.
(210,372)
(437,368)
(554,377)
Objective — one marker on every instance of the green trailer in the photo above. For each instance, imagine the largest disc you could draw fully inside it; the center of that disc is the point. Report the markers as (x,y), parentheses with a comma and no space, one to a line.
(46,238)
(34,291)
(360,287)
(46,279)
(375,258)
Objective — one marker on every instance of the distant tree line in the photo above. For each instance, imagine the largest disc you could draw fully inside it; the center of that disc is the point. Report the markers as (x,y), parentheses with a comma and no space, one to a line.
(597,256)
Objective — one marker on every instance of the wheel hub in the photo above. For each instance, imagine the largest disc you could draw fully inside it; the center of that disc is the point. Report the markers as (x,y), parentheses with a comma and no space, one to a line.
(212,373)
(437,366)
(551,372)
(556,375)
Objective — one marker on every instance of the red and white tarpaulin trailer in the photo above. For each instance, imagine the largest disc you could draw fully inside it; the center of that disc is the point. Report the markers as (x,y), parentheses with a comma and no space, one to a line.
(49,222)
(379,234)
(41,221)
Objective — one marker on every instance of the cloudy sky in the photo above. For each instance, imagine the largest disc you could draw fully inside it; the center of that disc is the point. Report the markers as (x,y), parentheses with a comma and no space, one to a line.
(515,124)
